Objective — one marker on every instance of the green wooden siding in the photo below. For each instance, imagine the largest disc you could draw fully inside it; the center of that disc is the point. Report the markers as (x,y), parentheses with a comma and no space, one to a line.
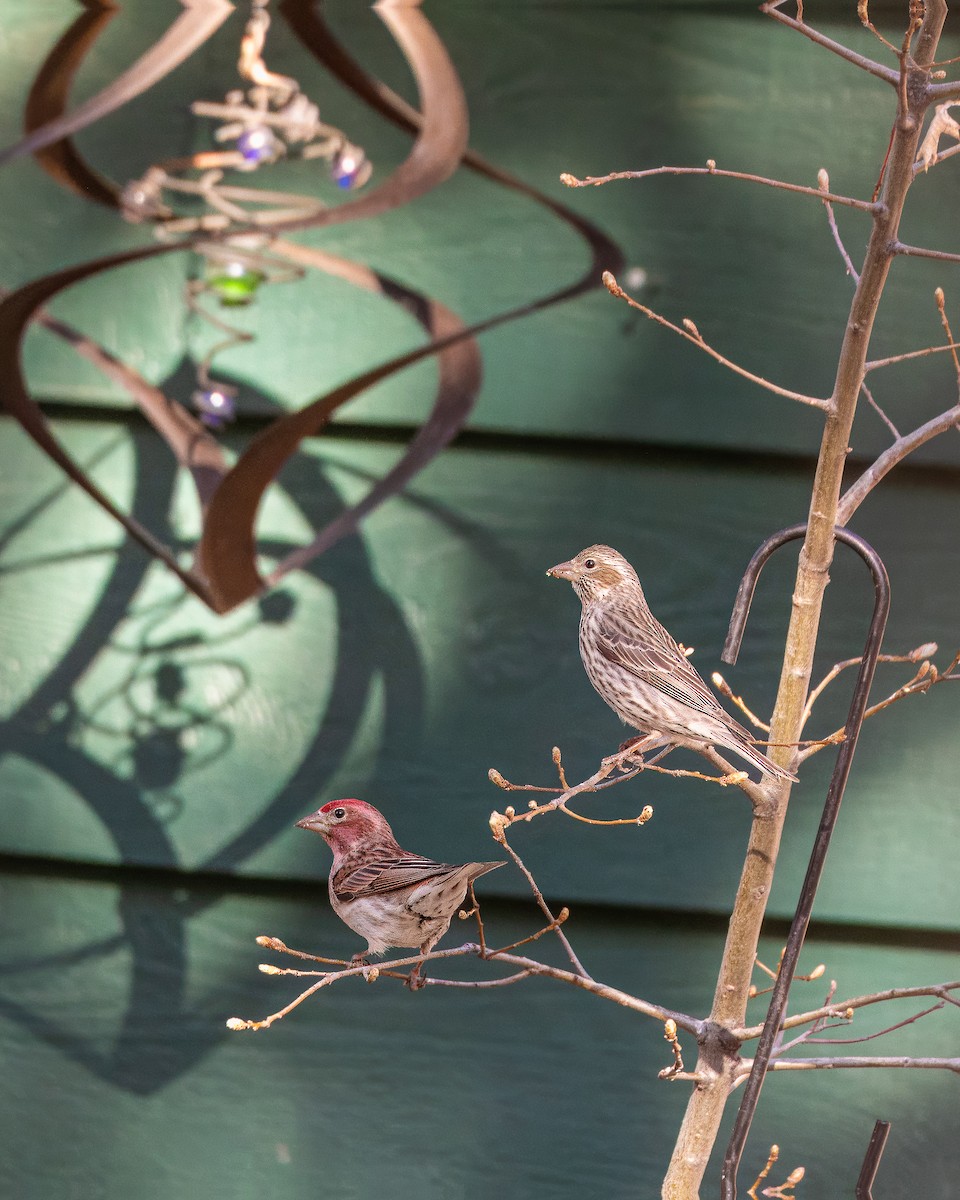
(128,1084)
(755,268)
(406,663)
(153,756)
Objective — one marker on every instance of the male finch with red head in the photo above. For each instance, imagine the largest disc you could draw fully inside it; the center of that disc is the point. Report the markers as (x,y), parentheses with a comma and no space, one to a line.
(639,669)
(384,893)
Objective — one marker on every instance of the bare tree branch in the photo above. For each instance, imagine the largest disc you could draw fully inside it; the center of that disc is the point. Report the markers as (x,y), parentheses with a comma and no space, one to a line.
(941,93)
(626,764)
(876,363)
(833,1011)
(712,169)
(555,922)
(869,1037)
(676,1067)
(780,1191)
(905,444)
(823,181)
(692,334)
(919,168)
(887,74)
(724,689)
(864,15)
(879,411)
(926,677)
(433,981)
(857,1062)
(857,492)
(921,252)
(913,656)
(941,302)
(526,968)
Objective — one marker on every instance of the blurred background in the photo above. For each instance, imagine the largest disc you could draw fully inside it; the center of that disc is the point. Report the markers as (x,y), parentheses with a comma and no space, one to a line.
(155,755)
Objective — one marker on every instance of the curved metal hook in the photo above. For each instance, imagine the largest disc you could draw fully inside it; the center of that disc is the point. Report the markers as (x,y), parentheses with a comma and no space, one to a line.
(831,809)
(871,1161)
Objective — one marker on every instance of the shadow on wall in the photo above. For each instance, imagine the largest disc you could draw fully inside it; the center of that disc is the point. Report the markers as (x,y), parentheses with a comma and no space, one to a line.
(131,744)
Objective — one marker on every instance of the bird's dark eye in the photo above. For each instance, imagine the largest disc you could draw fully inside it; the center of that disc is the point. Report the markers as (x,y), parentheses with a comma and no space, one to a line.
(339,813)
(590,564)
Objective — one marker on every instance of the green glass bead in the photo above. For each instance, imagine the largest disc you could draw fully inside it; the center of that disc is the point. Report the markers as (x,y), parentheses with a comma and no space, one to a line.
(234,284)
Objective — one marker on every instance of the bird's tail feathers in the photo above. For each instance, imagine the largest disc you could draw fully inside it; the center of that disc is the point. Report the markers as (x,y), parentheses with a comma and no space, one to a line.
(759,760)
(481,868)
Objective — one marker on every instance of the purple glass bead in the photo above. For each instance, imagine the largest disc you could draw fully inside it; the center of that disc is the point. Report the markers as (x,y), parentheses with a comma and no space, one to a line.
(258,145)
(216,406)
(345,167)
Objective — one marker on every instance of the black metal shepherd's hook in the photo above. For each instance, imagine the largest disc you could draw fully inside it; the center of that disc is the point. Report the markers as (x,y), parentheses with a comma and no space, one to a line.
(831,808)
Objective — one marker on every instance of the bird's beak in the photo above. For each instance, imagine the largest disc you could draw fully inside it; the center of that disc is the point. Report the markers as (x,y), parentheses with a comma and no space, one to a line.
(564,570)
(316,821)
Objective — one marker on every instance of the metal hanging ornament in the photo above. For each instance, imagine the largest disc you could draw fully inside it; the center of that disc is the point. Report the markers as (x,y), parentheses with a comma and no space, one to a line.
(270,120)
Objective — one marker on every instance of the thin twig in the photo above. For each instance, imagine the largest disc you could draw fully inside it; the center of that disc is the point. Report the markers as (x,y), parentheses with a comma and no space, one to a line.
(807,1035)
(692,335)
(274,943)
(730,776)
(925,678)
(525,968)
(912,656)
(601,777)
(326,978)
(624,999)
(780,1191)
(887,74)
(922,252)
(676,1067)
(774,1155)
(818,1026)
(869,1037)
(879,411)
(945,322)
(858,491)
(562,916)
(816,973)
(712,169)
(876,363)
(868,24)
(554,922)
(852,1062)
(833,1011)
(504,981)
(605,777)
(725,690)
(645,815)
(822,1024)
(823,180)
(535,809)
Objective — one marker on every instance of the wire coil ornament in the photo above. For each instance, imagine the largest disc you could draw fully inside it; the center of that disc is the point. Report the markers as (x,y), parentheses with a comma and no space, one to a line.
(272,119)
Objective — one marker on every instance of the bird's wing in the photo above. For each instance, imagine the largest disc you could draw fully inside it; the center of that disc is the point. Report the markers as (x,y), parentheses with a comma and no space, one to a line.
(375,876)
(639,644)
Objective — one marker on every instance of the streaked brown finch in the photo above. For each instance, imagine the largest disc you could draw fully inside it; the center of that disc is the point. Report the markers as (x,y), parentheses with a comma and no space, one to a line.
(639,669)
(386,894)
